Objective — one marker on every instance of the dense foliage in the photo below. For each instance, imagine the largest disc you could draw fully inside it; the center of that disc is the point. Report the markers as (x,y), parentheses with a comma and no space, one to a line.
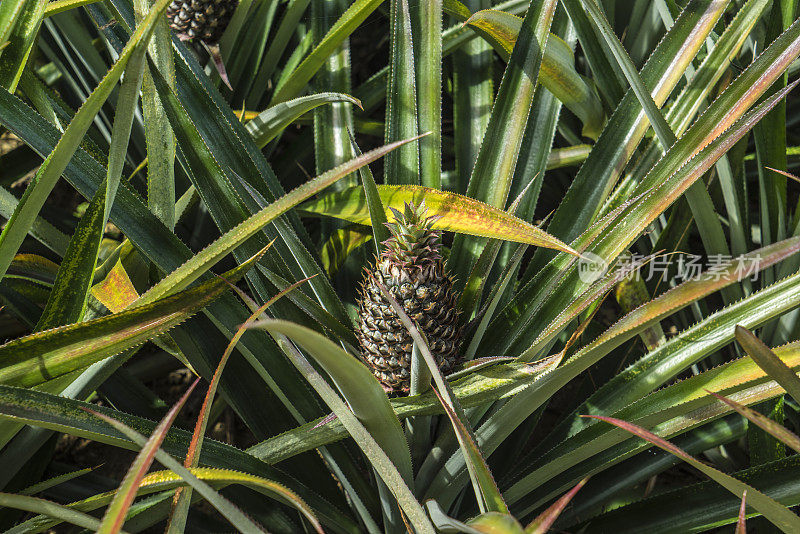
(608,277)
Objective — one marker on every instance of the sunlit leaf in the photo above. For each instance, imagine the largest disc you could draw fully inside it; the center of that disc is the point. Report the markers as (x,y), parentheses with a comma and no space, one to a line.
(456,213)
(767,360)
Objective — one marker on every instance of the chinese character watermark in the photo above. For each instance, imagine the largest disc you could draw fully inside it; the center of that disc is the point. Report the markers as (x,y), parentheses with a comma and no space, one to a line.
(681,267)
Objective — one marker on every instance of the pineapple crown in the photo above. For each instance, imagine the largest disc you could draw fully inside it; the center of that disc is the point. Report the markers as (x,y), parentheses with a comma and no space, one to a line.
(414,242)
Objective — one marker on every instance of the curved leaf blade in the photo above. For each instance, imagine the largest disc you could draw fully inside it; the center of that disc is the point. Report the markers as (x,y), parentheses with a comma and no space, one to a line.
(347,23)
(205,259)
(456,213)
(777,514)
(160,481)
(359,387)
(115,513)
(39,357)
(766,359)
(50,509)
(779,432)
(224,506)
(272,121)
(46,177)
(558,73)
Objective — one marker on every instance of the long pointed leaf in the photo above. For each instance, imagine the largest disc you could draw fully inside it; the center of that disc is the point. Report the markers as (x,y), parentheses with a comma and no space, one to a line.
(456,213)
(55,163)
(778,515)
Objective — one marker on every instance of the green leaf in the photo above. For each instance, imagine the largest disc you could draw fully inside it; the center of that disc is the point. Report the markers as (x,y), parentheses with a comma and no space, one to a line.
(183,498)
(393,480)
(160,481)
(341,243)
(272,121)
(492,175)
(167,252)
(456,9)
(377,213)
(516,410)
(776,430)
(770,141)
(67,415)
(609,484)
(19,27)
(445,523)
(494,301)
(698,198)
(359,387)
(311,308)
(628,124)
(205,124)
(457,213)
(46,233)
(670,358)
(496,522)
(557,73)
(480,386)
(114,517)
(662,186)
(333,124)
(402,119)
(50,509)
(277,46)
(668,412)
(159,138)
(672,301)
(9,12)
(347,23)
(67,302)
(54,481)
(204,260)
(221,504)
(36,358)
(215,145)
(703,506)
(767,360)
(59,6)
(777,514)
(427,30)
(17,227)
(473,92)
(486,491)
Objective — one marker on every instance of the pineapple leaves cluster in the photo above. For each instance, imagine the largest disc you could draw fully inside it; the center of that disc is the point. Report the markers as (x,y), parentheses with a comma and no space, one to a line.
(388,266)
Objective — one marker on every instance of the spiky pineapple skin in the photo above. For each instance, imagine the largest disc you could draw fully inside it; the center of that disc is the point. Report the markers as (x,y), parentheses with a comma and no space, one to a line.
(417,280)
(204,20)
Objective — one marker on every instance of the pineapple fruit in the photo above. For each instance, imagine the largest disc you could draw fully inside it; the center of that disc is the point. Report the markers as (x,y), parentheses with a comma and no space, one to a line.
(200,19)
(412,269)
(204,21)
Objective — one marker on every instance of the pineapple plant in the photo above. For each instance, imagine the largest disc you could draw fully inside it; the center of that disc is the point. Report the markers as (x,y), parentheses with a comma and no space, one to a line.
(411,267)
(629,128)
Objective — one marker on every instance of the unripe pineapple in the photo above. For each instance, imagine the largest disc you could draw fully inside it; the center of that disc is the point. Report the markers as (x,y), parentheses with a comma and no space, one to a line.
(205,21)
(200,19)
(412,269)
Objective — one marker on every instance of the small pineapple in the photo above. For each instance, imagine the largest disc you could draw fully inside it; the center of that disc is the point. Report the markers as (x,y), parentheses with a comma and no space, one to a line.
(412,269)
(200,19)
(205,21)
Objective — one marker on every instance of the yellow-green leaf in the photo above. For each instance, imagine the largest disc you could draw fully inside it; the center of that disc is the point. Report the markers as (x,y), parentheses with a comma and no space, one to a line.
(456,213)
(558,74)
